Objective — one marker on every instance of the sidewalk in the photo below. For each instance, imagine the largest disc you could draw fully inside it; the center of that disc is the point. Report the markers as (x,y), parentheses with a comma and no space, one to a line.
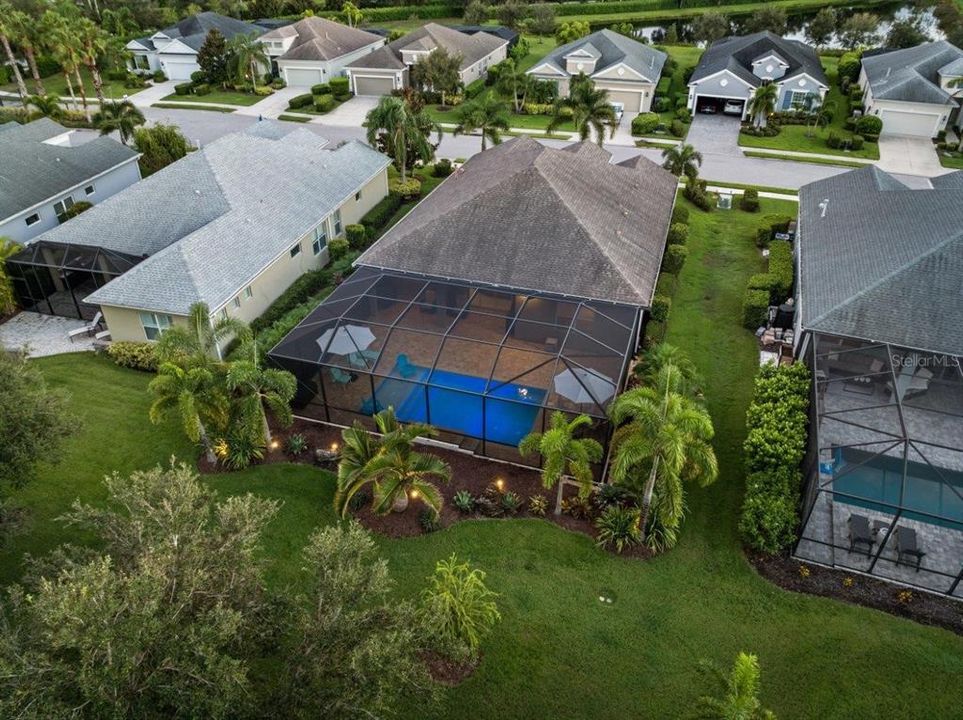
(148,96)
(819,156)
(273,105)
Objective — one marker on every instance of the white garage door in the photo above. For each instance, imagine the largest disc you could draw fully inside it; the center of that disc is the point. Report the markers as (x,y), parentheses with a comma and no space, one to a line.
(179,71)
(373,85)
(898,122)
(302,77)
(632,101)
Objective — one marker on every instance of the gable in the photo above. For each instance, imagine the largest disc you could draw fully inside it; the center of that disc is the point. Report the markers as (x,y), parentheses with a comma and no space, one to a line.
(621,71)
(176,47)
(546,69)
(719,77)
(802,81)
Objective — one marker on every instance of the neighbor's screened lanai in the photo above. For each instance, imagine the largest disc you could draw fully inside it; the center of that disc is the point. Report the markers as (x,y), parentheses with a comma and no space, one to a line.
(485,366)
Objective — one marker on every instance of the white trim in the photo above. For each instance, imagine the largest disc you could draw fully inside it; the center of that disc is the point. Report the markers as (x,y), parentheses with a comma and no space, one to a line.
(695,83)
(551,68)
(772,56)
(616,67)
(174,48)
(134,45)
(786,79)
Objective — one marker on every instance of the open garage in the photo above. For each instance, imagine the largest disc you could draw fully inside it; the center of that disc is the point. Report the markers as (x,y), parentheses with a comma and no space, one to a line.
(716,105)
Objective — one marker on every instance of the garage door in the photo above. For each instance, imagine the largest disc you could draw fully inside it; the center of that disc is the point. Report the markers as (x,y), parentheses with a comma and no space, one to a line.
(302,77)
(632,101)
(898,122)
(178,70)
(373,85)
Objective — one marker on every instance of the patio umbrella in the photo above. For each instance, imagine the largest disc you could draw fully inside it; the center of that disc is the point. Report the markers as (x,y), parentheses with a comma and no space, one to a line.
(346,339)
(581,386)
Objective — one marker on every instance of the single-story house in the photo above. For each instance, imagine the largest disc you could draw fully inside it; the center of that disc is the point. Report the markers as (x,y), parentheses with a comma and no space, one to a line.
(518,287)
(231,225)
(628,69)
(314,50)
(389,67)
(499,31)
(878,318)
(731,69)
(45,168)
(174,49)
(912,90)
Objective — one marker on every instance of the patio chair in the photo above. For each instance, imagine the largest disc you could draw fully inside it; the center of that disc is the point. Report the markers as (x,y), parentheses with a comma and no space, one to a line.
(340,376)
(860,535)
(907,546)
(87,329)
(405,368)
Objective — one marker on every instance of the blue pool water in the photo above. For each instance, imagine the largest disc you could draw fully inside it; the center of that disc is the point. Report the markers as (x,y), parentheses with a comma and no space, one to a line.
(452,408)
(880,479)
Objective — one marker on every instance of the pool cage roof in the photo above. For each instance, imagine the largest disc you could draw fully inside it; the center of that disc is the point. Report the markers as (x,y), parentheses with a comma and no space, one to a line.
(69,256)
(480,340)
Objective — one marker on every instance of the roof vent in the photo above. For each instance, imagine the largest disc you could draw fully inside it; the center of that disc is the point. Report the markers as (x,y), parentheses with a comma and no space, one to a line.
(197,192)
(822,207)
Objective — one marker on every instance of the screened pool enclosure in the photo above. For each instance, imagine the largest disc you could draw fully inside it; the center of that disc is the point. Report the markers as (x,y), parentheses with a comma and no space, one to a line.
(884,474)
(484,366)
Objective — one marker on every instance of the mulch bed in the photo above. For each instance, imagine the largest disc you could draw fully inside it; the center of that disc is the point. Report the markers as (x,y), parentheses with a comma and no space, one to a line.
(921,607)
(446,671)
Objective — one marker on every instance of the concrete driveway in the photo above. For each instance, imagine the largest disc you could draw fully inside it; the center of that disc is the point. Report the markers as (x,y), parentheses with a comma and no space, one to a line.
(349,114)
(908,155)
(715,134)
(274,104)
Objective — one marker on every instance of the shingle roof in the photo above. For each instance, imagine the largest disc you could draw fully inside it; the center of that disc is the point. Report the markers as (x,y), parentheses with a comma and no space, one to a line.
(32,170)
(912,75)
(211,221)
(611,48)
(736,54)
(320,39)
(471,48)
(529,217)
(883,263)
(193,30)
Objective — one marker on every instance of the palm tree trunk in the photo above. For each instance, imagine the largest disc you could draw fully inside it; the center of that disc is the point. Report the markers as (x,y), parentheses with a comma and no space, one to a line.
(98,81)
(21,87)
(34,70)
(402,150)
(83,92)
(265,426)
(558,497)
(647,497)
(70,89)
(483,140)
(206,442)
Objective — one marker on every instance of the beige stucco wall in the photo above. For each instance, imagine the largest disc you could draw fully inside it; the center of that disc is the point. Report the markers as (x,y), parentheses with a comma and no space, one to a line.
(124,323)
(480,68)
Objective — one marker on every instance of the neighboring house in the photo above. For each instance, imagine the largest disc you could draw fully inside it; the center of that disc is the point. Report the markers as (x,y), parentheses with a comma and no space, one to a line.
(231,225)
(878,318)
(626,68)
(499,31)
(913,91)
(174,49)
(389,68)
(46,168)
(732,68)
(516,288)
(314,50)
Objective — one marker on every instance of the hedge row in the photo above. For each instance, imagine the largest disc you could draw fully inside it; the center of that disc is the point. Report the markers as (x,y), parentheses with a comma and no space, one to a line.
(768,288)
(406,12)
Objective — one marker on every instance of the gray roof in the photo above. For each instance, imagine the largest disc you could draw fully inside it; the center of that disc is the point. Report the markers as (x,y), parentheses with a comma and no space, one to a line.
(884,262)
(611,48)
(32,170)
(193,30)
(320,39)
(737,53)
(533,218)
(213,220)
(912,75)
(471,47)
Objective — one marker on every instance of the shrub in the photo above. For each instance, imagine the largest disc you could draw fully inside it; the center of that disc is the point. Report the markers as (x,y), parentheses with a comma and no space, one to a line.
(356,236)
(869,125)
(680,214)
(769,516)
(407,190)
(781,268)
(578,507)
(511,503)
(662,104)
(77,208)
(474,88)
(47,66)
(337,248)
(278,84)
(619,527)
(321,89)
(661,304)
(609,495)
(442,168)
(749,200)
(296,445)
(198,76)
(300,101)
(856,142)
(429,521)
(135,81)
(324,103)
(674,258)
(695,192)
(644,123)
(462,608)
(677,128)
(339,85)
(776,419)
(159,76)
(763,237)
(183,88)
(538,505)
(381,213)
(684,114)
(116,75)
(202,89)
(134,355)
(849,67)
(240,451)
(263,91)
(678,234)
(755,309)
(464,501)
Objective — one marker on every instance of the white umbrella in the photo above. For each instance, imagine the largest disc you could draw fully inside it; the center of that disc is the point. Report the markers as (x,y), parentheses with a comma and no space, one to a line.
(347,339)
(581,386)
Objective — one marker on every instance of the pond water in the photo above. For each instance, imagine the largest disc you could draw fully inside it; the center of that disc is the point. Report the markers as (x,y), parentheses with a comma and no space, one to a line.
(798,23)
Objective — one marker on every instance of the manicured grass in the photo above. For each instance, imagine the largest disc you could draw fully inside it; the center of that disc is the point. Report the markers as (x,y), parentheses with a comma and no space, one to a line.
(56,85)
(219,97)
(558,652)
(841,162)
(293,118)
(954,160)
(760,188)
(684,56)
(193,106)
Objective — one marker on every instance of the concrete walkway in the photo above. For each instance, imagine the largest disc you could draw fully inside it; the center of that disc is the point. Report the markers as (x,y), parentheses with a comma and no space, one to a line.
(157,91)
(350,113)
(274,104)
(40,335)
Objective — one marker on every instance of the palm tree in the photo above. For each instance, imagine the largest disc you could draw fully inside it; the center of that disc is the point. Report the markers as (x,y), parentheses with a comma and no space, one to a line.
(589,108)
(740,700)
(562,452)
(8,248)
(198,341)
(682,160)
(46,105)
(662,355)
(62,45)
(822,115)
(6,31)
(258,387)
(489,115)
(92,44)
(515,83)
(24,30)
(663,435)
(122,117)
(403,129)
(390,464)
(246,53)
(197,397)
(762,104)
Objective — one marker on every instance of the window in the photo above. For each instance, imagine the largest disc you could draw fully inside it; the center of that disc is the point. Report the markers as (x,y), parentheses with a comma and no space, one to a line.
(237,301)
(90,190)
(800,100)
(248,293)
(61,207)
(224,314)
(154,324)
(336,219)
(320,238)
(33,219)
(296,250)
(357,196)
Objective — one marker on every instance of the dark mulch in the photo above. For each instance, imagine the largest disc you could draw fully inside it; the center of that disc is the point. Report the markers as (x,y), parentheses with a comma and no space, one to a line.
(446,671)
(915,605)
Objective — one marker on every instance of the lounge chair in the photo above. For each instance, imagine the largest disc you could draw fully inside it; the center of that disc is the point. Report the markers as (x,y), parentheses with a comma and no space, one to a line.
(907,547)
(340,376)
(87,329)
(860,535)
(405,368)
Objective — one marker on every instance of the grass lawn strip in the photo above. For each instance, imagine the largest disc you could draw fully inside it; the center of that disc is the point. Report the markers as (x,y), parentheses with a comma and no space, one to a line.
(194,106)
(804,158)
(56,85)
(219,97)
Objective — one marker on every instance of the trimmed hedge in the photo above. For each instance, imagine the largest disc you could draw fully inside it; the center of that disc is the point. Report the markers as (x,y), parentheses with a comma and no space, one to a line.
(407,190)
(749,200)
(474,88)
(337,248)
(134,355)
(300,101)
(324,103)
(320,89)
(755,309)
(202,89)
(183,88)
(339,86)
(674,258)
(678,234)
(644,123)
(769,514)
(680,214)
(661,305)
(356,235)
(781,268)
(381,213)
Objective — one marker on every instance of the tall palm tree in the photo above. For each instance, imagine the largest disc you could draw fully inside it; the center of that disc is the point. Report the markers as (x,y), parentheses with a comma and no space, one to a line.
(664,437)
(61,43)
(121,117)
(390,464)
(245,54)
(46,105)
(92,43)
(762,104)
(257,388)
(589,108)
(489,115)
(197,342)
(682,160)
(662,355)
(515,83)
(6,31)
(196,395)
(403,130)
(740,699)
(25,34)
(8,248)
(563,453)
(822,114)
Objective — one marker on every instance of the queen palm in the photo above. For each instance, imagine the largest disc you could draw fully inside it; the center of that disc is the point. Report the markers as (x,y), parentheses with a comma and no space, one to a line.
(662,355)
(488,115)
(92,42)
(24,30)
(663,438)
(514,82)
(61,43)
(7,29)
(762,104)
(8,248)
(563,453)
(46,105)
(120,117)
(403,131)
(740,693)
(196,395)
(822,114)
(246,53)
(197,342)
(682,160)
(390,464)
(257,388)
(589,109)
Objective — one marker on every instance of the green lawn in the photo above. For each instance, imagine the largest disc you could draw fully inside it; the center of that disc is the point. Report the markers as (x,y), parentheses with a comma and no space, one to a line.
(841,162)
(558,653)
(56,85)
(218,97)
(684,56)
(954,160)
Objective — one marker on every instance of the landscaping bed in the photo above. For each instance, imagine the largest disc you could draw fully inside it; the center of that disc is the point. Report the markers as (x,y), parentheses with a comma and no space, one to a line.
(218,97)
